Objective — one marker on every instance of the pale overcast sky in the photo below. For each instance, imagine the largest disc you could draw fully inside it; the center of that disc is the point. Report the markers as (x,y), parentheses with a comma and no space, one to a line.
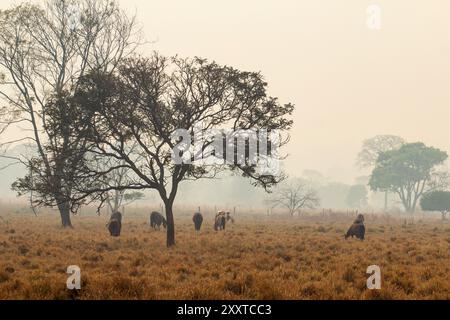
(348,82)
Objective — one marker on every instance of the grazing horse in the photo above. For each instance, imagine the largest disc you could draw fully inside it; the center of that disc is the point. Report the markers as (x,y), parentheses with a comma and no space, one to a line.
(115,224)
(357,229)
(220,221)
(198,220)
(156,220)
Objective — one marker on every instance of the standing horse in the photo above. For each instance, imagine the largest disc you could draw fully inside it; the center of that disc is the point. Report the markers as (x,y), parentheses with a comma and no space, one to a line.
(198,220)
(115,224)
(156,220)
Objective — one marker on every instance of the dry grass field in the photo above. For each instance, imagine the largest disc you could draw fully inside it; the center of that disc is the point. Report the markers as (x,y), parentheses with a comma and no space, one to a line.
(255,258)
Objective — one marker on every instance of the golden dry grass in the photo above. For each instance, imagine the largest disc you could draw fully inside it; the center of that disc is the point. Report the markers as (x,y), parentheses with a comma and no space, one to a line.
(256,258)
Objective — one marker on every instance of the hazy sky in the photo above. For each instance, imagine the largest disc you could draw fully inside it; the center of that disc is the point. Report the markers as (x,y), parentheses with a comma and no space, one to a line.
(348,82)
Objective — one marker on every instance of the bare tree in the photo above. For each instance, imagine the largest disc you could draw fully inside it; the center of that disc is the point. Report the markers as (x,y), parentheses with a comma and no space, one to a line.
(294,196)
(149,99)
(371,150)
(439,181)
(115,179)
(373,147)
(44,50)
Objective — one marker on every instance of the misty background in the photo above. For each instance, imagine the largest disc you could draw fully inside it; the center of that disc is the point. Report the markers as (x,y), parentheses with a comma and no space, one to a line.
(348,82)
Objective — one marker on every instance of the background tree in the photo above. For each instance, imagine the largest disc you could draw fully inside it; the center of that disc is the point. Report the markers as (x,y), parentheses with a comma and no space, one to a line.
(357,196)
(436,201)
(294,196)
(408,171)
(44,50)
(148,99)
(372,148)
(117,174)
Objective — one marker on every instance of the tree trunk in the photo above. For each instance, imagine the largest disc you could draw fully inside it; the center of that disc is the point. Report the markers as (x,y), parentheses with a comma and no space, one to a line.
(64,211)
(407,205)
(170,224)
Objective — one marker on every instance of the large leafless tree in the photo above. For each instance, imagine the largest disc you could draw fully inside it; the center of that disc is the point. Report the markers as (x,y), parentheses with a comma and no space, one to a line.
(44,51)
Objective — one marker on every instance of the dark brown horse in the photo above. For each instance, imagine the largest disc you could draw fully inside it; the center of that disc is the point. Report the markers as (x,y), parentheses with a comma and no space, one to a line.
(156,220)
(357,229)
(198,220)
(115,224)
